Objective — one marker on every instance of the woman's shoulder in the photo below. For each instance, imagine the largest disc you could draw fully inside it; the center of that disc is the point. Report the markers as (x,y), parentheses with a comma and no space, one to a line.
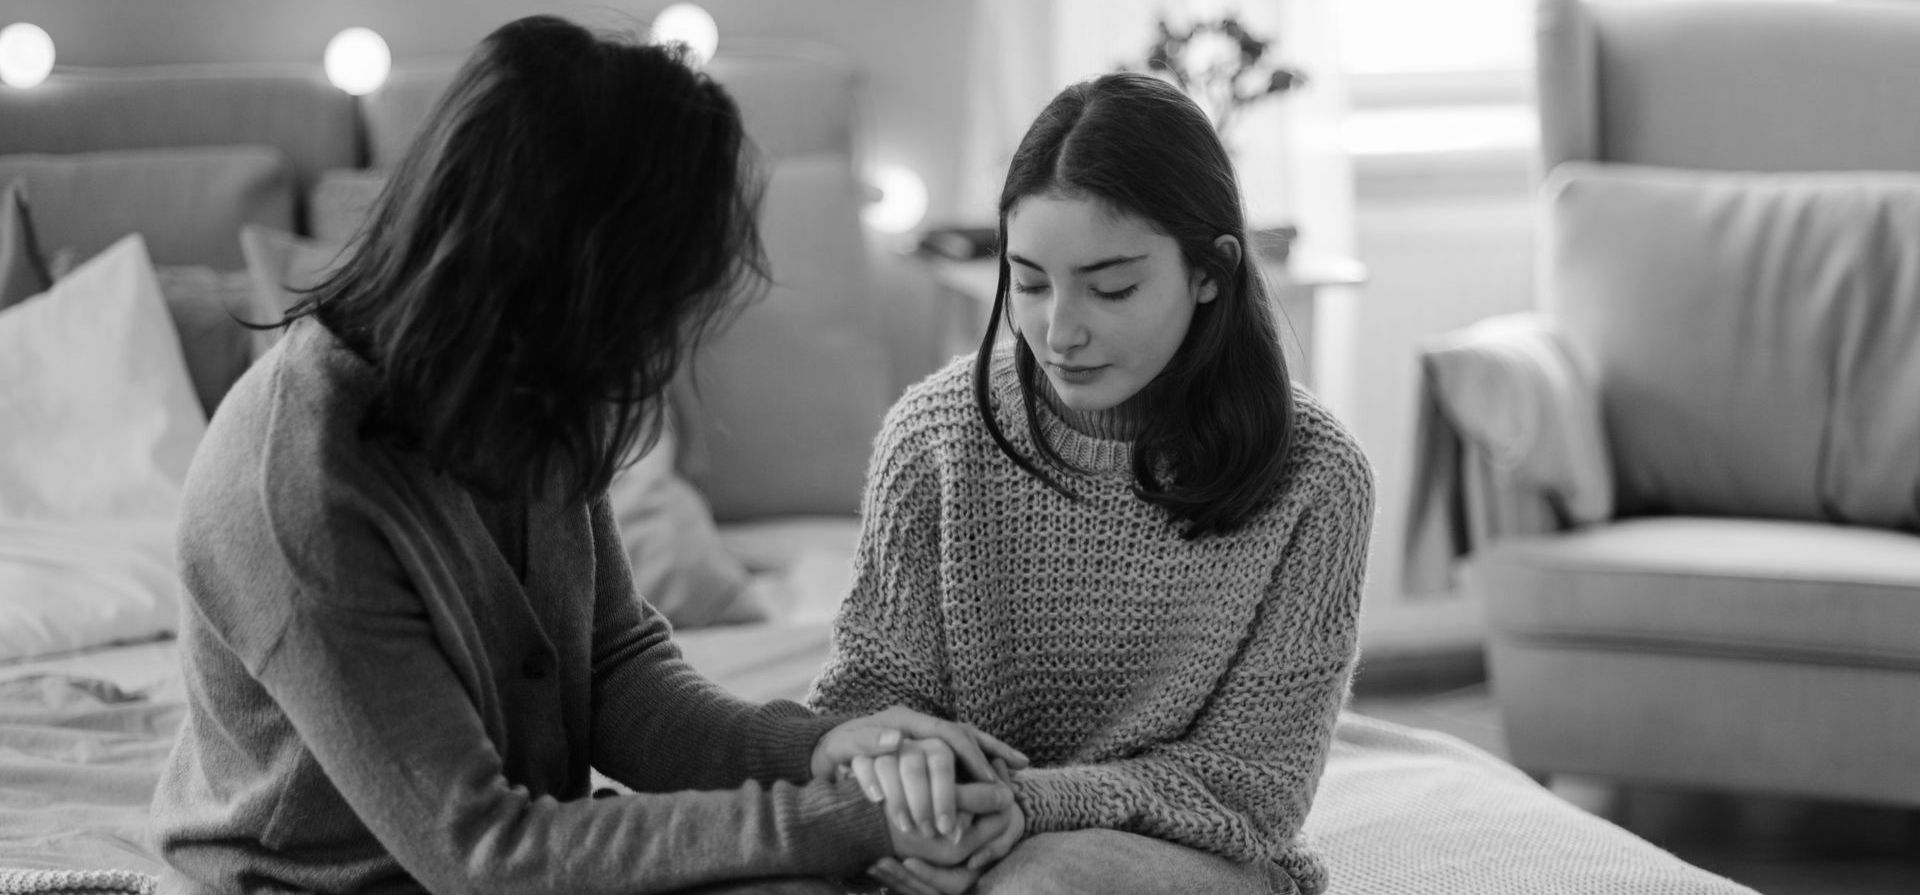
(939,408)
(1324,454)
(290,427)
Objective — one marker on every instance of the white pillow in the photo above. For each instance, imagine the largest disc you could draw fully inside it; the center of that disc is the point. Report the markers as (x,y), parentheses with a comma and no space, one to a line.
(101,424)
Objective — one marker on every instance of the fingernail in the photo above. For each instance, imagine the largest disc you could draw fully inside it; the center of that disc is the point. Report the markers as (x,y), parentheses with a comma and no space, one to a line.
(890,739)
(900,823)
(945,825)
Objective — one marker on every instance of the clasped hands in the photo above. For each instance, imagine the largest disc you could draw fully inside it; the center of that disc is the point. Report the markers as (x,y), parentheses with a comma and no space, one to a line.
(946,789)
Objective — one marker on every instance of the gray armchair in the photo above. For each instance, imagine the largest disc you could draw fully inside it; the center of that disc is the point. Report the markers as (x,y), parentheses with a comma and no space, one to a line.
(1687,489)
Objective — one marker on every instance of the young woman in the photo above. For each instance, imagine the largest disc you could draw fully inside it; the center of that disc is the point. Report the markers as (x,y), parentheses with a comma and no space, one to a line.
(1123,542)
(412,630)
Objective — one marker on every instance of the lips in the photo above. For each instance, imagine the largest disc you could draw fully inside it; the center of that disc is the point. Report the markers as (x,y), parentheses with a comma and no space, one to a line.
(1076,374)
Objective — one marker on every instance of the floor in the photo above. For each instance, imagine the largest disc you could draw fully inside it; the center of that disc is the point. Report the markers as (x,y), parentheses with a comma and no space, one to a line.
(1776,846)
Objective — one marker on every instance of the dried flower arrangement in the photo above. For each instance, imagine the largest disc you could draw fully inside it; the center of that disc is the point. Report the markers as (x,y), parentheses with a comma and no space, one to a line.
(1221,64)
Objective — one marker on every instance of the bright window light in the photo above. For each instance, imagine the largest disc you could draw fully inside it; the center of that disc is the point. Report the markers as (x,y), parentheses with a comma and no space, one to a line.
(902,202)
(26,55)
(1439,129)
(1394,36)
(688,24)
(358,61)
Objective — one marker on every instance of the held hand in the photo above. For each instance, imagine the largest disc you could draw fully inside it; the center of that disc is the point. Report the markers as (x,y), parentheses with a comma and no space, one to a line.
(883,732)
(916,785)
(986,803)
(916,877)
(997,848)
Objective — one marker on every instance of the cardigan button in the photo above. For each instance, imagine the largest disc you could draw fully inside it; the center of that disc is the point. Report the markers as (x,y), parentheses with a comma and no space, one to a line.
(534,667)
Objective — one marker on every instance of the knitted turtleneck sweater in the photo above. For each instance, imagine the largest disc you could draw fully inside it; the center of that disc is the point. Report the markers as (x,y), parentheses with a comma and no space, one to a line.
(1182,690)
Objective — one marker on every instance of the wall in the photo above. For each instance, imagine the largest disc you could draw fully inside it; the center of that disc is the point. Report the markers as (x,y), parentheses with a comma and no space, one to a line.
(914,51)
(1448,239)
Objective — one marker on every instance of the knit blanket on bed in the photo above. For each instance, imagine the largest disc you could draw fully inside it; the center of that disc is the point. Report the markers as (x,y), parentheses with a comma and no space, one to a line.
(75,882)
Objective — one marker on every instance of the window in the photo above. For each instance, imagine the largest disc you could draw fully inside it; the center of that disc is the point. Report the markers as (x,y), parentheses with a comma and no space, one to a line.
(1430,77)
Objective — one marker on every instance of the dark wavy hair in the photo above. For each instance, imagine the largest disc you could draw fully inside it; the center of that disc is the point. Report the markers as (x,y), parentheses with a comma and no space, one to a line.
(1219,418)
(576,213)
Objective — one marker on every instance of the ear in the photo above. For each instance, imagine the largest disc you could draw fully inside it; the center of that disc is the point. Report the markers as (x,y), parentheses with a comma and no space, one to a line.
(1207,289)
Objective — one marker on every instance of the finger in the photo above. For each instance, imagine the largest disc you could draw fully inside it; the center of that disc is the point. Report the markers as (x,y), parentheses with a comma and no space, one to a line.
(949,880)
(955,736)
(869,779)
(887,767)
(997,746)
(897,878)
(985,830)
(991,853)
(875,740)
(917,788)
(940,779)
(983,798)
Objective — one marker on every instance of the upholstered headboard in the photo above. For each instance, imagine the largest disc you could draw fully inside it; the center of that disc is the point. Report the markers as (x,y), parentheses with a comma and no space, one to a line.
(797,99)
(1731,84)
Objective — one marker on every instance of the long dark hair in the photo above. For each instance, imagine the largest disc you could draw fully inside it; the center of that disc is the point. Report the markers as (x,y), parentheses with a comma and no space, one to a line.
(1219,418)
(575,213)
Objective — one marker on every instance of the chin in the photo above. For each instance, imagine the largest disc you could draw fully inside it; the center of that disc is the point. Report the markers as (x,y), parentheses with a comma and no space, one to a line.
(1082,399)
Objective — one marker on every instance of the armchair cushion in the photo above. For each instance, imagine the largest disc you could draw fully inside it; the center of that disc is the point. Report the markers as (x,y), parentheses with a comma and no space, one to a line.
(1752,334)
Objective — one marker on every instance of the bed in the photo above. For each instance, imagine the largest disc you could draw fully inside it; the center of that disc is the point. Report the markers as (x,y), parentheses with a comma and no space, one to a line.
(238,182)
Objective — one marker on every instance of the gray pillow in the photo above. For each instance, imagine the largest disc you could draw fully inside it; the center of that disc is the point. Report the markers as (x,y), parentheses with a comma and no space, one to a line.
(189,204)
(23,272)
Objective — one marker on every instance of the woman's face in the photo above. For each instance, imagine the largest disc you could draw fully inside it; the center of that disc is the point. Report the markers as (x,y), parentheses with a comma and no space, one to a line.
(1101,298)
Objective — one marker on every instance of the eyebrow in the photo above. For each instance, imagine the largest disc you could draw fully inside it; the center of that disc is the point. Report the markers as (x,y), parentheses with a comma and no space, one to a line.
(1101,264)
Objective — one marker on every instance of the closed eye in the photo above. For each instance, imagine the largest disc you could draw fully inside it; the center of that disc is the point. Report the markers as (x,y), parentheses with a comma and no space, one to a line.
(1026,289)
(1118,294)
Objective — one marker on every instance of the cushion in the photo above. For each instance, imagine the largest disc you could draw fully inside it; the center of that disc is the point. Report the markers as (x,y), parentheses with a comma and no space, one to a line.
(1798,591)
(339,201)
(784,405)
(679,564)
(188,203)
(1509,385)
(207,307)
(1751,333)
(23,272)
(102,423)
(282,267)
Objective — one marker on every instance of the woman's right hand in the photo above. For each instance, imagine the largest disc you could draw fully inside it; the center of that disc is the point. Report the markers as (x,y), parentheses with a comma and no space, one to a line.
(989,809)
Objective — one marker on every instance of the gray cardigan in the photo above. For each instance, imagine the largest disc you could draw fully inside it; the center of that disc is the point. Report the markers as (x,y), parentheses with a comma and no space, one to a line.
(378,703)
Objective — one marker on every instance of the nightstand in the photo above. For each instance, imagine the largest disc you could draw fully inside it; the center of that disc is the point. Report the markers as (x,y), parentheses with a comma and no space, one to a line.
(966,298)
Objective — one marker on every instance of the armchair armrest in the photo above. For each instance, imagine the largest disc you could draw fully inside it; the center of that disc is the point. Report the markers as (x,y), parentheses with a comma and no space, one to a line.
(1510,441)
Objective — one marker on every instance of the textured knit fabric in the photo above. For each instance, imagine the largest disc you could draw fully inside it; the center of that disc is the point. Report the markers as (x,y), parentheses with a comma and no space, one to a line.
(74,882)
(1181,690)
(376,703)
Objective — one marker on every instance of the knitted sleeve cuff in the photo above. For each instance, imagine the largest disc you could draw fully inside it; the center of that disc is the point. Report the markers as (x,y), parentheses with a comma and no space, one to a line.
(784,735)
(840,828)
(1059,799)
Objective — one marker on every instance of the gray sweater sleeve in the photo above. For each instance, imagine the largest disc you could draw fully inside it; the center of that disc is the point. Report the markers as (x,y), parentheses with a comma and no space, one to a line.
(355,668)
(659,725)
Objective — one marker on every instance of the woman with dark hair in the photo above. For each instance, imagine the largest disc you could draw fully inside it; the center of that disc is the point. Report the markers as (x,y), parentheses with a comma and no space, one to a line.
(1121,540)
(411,630)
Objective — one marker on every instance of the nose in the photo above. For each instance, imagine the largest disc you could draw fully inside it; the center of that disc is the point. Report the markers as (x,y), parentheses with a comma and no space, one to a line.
(1066,328)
